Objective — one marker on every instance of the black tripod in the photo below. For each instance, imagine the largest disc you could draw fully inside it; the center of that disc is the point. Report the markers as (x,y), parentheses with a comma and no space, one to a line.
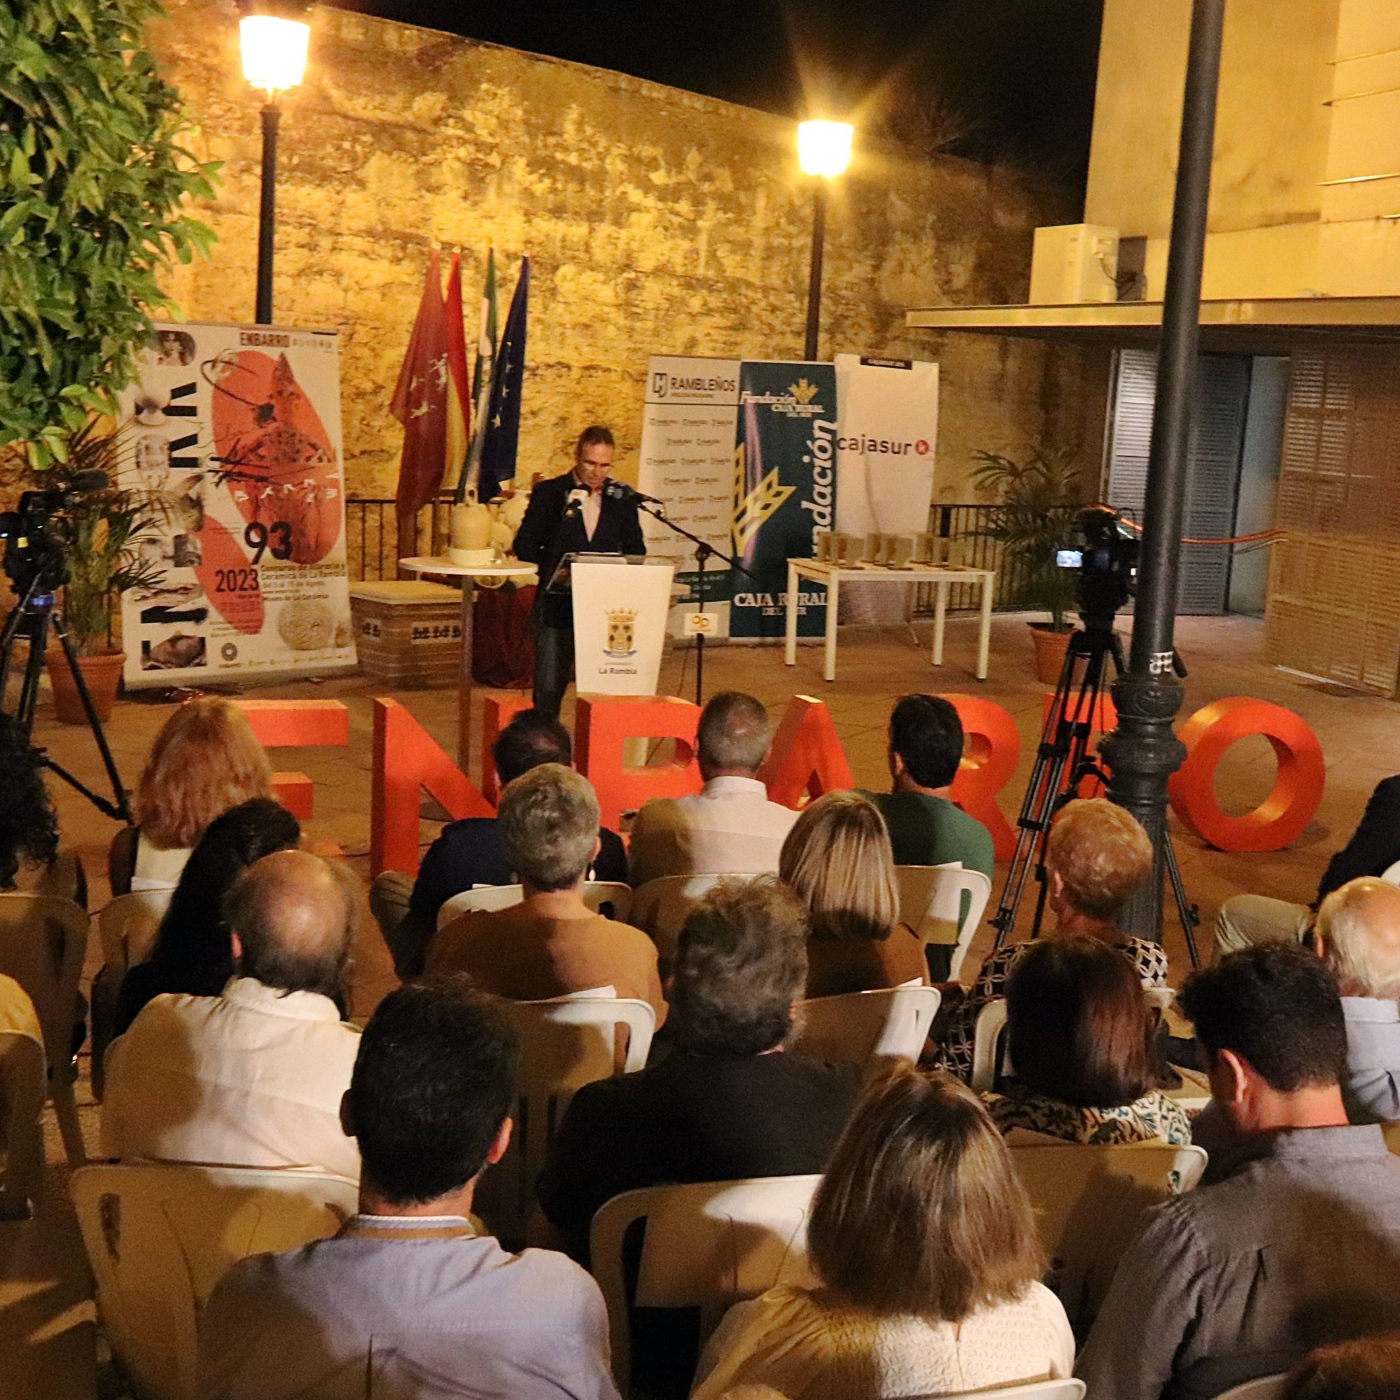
(32,618)
(1064,750)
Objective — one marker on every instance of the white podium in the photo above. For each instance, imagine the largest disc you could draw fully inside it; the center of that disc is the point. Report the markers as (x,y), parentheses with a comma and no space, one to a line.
(621,603)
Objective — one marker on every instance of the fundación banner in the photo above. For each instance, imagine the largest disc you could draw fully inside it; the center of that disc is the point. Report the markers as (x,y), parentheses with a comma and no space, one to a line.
(239,428)
(784,491)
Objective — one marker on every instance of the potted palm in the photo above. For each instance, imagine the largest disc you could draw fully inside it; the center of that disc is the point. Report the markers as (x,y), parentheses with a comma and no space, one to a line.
(1038,501)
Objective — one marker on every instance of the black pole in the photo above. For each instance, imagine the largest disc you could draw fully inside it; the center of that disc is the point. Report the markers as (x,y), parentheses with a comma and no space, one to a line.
(267,210)
(814,277)
(1144,751)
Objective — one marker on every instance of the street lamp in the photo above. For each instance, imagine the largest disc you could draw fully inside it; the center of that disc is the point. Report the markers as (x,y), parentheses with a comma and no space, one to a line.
(823,152)
(274,58)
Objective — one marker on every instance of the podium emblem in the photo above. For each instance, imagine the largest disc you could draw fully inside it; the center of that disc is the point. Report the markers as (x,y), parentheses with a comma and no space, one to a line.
(622,633)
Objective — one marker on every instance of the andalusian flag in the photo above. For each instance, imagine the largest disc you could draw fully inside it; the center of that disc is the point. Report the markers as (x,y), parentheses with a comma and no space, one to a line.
(502,428)
(459,410)
(481,381)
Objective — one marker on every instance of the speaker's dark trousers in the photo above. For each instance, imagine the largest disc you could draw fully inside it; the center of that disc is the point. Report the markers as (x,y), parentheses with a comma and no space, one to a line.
(554,663)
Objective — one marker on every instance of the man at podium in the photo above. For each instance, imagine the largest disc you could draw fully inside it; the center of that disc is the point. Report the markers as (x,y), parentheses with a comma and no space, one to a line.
(569,514)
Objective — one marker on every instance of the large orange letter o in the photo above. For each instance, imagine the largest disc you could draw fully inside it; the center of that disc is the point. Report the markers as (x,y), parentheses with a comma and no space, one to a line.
(1281,817)
(991,750)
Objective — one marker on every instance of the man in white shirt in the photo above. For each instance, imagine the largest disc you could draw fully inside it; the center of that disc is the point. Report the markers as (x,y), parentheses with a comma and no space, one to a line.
(730,827)
(254,1076)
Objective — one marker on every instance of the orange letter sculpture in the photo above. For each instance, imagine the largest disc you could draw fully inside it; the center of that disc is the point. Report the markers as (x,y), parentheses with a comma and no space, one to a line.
(602,726)
(498,713)
(991,751)
(417,762)
(806,757)
(1281,817)
(297,724)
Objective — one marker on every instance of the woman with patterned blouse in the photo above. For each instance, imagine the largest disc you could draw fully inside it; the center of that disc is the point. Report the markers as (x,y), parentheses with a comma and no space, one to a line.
(1081,1038)
(1097,855)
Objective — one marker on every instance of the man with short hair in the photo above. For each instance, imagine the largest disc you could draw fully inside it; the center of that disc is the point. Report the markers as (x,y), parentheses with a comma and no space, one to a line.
(410,1298)
(1296,1240)
(254,1076)
(729,827)
(551,943)
(470,852)
(926,826)
(1357,935)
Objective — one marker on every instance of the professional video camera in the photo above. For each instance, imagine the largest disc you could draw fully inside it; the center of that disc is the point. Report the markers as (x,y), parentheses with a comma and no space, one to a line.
(1106,556)
(37,531)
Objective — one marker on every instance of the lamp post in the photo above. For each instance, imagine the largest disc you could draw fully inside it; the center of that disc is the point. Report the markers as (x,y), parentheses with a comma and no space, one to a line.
(823,152)
(1143,751)
(274,58)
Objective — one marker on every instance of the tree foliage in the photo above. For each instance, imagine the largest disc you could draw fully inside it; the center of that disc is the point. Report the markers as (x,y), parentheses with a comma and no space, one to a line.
(93,184)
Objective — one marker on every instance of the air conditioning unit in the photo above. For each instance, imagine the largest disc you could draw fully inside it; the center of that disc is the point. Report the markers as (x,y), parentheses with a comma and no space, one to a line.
(1074,263)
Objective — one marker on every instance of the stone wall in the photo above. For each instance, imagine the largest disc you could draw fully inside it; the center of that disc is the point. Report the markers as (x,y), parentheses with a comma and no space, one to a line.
(656,221)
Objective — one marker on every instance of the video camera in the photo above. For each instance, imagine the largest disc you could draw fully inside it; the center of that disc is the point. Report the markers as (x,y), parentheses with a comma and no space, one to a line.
(1106,557)
(37,531)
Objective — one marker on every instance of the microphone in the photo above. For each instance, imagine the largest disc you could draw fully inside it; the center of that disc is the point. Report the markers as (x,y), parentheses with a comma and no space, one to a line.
(621,491)
(573,502)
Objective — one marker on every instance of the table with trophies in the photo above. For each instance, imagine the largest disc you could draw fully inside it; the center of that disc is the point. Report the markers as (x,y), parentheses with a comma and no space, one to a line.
(905,559)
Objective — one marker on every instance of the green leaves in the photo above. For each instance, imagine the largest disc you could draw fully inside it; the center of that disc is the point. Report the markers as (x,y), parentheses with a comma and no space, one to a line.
(93,189)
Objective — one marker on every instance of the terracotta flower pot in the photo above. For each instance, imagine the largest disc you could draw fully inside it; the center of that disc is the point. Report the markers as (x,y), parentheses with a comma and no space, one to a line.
(1050,648)
(103,675)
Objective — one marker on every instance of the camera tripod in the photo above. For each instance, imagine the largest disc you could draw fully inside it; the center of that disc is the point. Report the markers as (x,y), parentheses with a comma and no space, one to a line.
(1063,761)
(33,618)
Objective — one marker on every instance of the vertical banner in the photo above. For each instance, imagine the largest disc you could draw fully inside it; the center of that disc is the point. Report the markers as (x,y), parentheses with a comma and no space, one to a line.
(687,461)
(619,626)
(888,438)
(784,491)
(238,429)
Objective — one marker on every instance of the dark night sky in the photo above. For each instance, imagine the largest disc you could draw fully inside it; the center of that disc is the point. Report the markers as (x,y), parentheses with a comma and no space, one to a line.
(990,79)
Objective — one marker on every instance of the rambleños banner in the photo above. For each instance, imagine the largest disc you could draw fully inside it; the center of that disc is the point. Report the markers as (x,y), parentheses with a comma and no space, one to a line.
(784,490)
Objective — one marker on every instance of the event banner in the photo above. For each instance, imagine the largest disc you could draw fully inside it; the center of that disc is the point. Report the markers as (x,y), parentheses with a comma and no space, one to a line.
(784,491)
(238,430)
(889,434)
(687,460)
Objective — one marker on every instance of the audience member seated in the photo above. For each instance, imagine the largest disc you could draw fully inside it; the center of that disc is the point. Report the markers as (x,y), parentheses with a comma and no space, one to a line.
(410,1290)
(205,760)
(837,861)
(1246,919)
(1083,1050)
(551,943)
(1368,1369)
(926,827)
(470,852)
(254,1076)
(730,827)
(1294,1242)
(729,1102)
(927,1261)
(193,951)
(1358,936)
(1097,855)
(31,860)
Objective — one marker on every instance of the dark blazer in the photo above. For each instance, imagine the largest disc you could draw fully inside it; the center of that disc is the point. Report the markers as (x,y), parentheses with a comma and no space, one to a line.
(545,537)
(1374,845)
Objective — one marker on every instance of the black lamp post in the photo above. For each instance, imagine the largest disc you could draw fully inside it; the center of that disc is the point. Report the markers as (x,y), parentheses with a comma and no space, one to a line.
(1144,751)
(823,152)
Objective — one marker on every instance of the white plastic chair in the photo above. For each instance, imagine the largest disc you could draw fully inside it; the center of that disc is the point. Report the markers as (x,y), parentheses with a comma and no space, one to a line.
(564,1044)
(1391,874)
(986,1036)
(889,1023)
(596,893)
(706,1246)
(160,1237)
(1087,1203)
(661,906)
(1160,997)
(1068,1389)
(127,928)
(1265,1388)
(931,903)
(43,942)
(22,1067)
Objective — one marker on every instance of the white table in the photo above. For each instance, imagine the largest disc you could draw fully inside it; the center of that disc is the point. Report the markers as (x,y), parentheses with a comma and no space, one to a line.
(507,568)
(834,575)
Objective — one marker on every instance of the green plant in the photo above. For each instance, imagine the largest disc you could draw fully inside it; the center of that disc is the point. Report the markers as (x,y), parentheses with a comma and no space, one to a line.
(92,185)
(1037,503)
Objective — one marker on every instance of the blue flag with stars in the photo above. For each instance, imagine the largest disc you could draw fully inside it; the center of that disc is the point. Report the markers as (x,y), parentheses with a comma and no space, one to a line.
(503,419)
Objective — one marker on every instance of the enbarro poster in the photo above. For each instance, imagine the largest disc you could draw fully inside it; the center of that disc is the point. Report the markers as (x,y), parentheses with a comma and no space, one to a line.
(239,428)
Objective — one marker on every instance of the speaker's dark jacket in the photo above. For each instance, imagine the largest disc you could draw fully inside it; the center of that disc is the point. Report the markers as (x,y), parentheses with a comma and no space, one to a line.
(545,537)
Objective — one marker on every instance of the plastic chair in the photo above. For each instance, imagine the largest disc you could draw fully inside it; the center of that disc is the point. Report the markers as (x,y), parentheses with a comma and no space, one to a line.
(160,1237)
(1391,874)
(1265,1388)
(596,894)
(43,942)
(706,1246)
(564,1044)
(127,928)
(661,906)
(889,1023)
(1068,1389)
(1160,997)
(22,1066)
(986,1036)
(1088,1201)
(931,903)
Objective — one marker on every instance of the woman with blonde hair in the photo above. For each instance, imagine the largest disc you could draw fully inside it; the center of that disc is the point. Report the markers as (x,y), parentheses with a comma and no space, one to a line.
(205,760)
(837,860)
(927,1265)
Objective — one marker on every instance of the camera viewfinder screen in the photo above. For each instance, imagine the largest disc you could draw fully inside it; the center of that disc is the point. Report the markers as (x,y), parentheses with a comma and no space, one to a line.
(1069,558)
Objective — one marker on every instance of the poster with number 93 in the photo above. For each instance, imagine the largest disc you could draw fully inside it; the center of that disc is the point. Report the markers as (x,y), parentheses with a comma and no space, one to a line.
(233,434)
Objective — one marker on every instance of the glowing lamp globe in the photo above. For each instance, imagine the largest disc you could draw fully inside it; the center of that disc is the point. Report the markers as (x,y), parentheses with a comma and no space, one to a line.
(274,51)
(824,148)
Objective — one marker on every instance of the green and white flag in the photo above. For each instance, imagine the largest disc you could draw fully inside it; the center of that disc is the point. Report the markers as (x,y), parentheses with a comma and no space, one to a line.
(482,375)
